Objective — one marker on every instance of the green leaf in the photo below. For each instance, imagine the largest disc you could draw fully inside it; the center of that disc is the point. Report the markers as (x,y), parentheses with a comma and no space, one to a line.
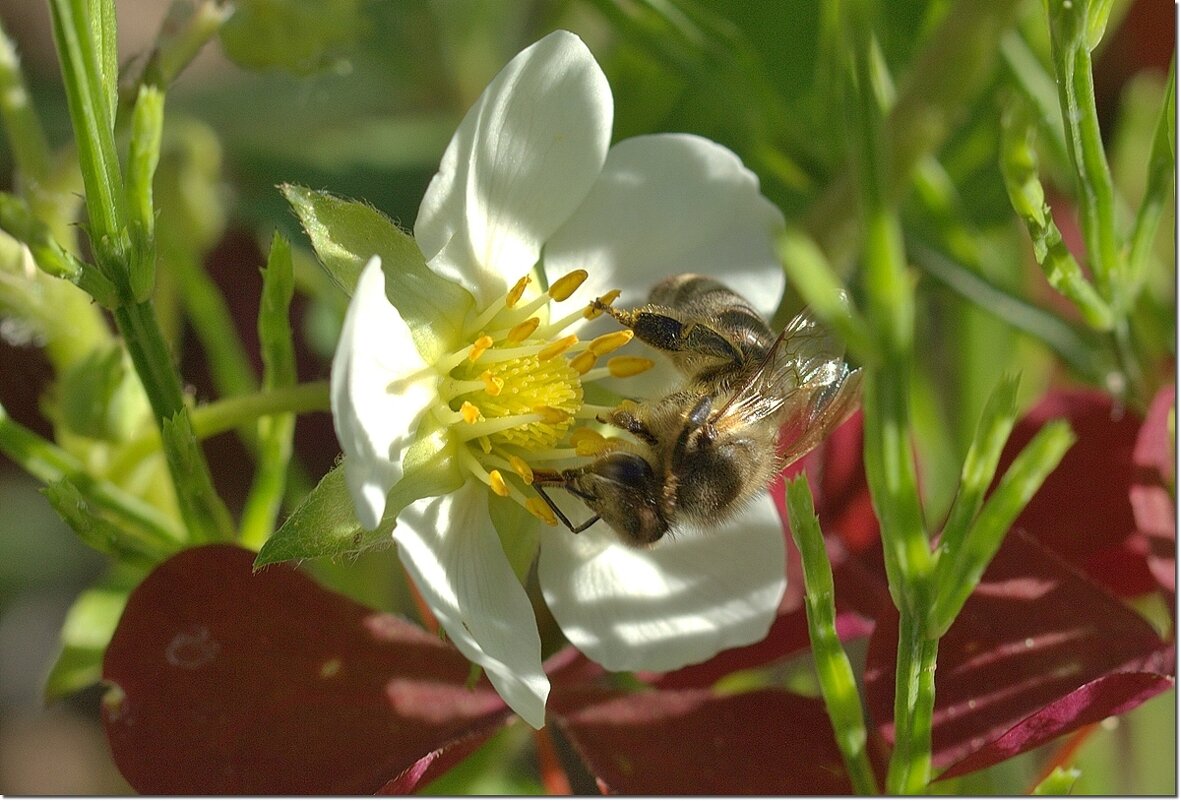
(1059,782)
(346,234)
(302,36)
(958,575)
(205,515)
(87,630)
(996,422)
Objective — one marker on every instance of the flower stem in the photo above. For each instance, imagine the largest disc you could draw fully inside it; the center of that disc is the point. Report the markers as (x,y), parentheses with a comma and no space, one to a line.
(914,703)
(833,670)
(30,149)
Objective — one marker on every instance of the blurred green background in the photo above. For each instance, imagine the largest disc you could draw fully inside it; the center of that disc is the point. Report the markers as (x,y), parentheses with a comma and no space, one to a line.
(366,107)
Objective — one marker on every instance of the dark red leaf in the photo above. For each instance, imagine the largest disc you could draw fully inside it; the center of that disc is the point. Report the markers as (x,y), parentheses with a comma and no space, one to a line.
(1082,511)
(679,742)
(1091,703)
(1153,485)
(1012,669)
(225,681)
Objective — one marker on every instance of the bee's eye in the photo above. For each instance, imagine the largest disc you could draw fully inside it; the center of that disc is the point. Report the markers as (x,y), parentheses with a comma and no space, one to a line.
(625,468)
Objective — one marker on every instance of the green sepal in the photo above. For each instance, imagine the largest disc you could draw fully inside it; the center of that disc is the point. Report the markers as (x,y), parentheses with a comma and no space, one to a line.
(301,36)
(325,524)
(87,630)
(204,514)
(100,396)
(346,234)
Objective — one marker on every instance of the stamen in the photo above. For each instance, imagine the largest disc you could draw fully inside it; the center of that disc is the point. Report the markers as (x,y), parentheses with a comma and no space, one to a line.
(484,428)
(492,384)
(551,414)
(485,445)
(521,331)
(470,412)
(482,343)
(565,286)
(608,342)
(514,295)
(589,443)
(583,362)
(584,434)
(541,511)
(521,468)
(627,366)
(557,348)
(496,482)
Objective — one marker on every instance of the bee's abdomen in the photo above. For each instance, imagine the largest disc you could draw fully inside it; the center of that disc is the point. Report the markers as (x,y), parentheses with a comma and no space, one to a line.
(697,296)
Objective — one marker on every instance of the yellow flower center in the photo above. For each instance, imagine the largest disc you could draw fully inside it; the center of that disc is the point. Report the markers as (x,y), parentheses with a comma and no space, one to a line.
(513,394)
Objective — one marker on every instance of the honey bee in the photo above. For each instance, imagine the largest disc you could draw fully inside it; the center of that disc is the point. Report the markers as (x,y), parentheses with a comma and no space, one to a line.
(752,403)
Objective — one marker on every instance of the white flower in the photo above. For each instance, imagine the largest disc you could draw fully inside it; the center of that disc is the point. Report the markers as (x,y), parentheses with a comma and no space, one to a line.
(528,185)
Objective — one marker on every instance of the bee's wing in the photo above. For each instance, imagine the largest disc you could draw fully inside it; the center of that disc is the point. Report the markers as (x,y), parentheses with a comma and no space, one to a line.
(804,381)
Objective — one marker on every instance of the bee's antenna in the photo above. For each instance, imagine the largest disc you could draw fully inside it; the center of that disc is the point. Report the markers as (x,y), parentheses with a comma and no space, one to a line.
(561,515)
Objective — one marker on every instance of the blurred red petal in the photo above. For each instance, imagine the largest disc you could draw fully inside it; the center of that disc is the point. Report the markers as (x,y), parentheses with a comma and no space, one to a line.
(1032,635)
(1153,485)
(1091,703)
(681,742)
(229,682)
(1082,511)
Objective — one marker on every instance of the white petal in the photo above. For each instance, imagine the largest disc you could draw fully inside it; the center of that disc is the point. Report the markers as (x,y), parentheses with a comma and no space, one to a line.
(523,159)
(668,204)
(449,546)
(374,413)
(674,605)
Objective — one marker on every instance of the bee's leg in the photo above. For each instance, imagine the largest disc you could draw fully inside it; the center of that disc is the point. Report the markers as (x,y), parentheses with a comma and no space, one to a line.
(625,419)
(663,328)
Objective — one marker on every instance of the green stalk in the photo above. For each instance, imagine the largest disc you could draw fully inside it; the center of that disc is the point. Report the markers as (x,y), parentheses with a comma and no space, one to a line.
(889,453)
(833,670)
(275,431)
(1076,95)
(50,464)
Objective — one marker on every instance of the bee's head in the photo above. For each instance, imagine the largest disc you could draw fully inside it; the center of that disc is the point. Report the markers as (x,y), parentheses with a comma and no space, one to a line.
(625,492)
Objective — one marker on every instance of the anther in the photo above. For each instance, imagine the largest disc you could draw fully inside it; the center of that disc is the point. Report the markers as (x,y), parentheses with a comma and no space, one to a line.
(565,286)
(551,414)
(514,295)
(496,482)
(521,468)
(583,362)
(608,342)
(557,348)
(579,436)
(482,343)
(626,366)
(521,331)
(492,384)
(470,412)
(542,512)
